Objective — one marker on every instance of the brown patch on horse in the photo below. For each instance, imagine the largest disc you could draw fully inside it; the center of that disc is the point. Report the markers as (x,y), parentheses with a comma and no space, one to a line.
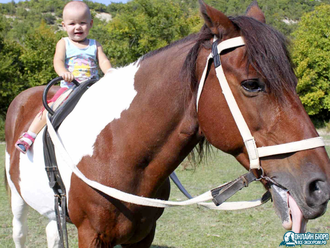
(20,114)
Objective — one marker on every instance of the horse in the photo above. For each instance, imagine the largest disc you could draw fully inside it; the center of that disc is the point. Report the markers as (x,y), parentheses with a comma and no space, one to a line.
(134,127)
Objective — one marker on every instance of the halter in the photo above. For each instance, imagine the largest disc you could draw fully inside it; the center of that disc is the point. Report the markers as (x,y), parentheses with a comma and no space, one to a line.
(253,151)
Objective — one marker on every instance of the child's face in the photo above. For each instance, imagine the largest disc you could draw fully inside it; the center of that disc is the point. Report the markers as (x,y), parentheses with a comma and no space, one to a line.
(77,24)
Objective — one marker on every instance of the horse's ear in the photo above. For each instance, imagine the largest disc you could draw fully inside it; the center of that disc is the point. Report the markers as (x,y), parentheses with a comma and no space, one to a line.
(255,12)
(216,20)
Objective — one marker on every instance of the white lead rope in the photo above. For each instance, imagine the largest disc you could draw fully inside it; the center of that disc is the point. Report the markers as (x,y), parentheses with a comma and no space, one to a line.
(140,200)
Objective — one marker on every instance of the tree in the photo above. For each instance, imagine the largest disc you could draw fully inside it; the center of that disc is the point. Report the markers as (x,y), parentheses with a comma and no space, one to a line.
(311,55)
(10,68)
(37,58)
(146,25)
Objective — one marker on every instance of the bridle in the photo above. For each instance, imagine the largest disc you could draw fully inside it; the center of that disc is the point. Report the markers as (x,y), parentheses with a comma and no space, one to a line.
(253,151)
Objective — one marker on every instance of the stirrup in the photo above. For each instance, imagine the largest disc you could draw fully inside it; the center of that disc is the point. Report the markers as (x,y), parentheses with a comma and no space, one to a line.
(22,145)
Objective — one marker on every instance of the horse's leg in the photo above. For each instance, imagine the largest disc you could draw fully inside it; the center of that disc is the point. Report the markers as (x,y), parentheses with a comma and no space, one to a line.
(144,243)
(53,238)
(88,238)
(20,210)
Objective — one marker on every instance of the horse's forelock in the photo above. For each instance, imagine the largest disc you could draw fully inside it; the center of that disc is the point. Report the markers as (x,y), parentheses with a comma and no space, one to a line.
(267,52)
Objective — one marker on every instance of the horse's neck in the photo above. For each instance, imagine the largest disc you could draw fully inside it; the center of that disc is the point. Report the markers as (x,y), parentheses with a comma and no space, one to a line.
(168,110)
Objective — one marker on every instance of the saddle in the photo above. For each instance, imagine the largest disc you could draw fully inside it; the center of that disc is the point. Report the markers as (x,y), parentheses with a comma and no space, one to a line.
(56,117)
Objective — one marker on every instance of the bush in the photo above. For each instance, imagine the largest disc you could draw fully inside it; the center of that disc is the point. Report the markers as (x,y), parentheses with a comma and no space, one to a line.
(311,56)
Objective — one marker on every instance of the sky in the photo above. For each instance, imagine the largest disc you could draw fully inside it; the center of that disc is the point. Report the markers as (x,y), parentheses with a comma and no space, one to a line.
(106,2)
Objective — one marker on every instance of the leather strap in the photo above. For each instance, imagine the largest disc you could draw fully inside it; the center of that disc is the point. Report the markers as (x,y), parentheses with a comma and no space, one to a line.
(291,147)
(223,193)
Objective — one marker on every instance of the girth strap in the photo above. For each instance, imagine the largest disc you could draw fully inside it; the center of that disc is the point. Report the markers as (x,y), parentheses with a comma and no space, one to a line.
(60,201)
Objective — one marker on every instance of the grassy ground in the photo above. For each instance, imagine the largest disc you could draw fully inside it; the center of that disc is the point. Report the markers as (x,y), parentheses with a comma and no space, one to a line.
(188,227)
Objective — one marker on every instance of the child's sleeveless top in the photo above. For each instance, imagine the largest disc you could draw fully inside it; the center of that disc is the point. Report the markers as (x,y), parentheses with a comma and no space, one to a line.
(81,62)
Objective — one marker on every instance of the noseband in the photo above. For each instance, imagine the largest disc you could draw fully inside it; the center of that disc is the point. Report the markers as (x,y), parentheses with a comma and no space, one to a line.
(253,151)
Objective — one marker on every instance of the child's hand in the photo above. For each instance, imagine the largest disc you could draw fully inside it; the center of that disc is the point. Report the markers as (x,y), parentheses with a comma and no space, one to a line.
(67,76)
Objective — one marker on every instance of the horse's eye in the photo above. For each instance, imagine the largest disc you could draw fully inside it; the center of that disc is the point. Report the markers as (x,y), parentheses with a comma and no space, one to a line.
(252,85)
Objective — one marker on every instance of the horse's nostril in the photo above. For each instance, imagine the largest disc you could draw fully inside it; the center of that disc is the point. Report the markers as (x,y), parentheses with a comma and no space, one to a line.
(318,193)
(315,187)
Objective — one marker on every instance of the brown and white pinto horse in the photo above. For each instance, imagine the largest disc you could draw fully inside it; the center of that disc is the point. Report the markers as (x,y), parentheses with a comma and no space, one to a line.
(134,127)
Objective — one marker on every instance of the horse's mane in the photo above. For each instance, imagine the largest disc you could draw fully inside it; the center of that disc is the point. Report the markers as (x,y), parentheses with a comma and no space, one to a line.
(266,51)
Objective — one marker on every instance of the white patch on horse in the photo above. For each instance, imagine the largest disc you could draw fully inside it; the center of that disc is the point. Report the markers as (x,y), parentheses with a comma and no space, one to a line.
(101,104)
(34,184)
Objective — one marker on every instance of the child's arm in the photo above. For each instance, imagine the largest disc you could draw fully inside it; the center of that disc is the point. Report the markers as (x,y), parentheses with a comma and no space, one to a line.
(59,62)
(103,61)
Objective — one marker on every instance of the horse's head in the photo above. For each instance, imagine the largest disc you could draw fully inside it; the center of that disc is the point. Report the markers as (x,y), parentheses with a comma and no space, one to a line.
(260,76)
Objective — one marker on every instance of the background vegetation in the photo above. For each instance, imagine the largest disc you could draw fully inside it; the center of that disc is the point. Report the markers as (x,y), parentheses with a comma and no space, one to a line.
(29,31)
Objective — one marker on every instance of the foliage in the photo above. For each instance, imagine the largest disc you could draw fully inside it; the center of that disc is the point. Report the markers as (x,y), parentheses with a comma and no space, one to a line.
(281,14)
(25,66)
(37,58)
(10,73)
(115,8)
(146,25)
(311,55)
(10,68)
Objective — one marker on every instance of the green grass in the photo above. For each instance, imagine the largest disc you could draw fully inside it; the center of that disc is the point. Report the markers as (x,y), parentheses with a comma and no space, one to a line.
(2,128)
(188,227)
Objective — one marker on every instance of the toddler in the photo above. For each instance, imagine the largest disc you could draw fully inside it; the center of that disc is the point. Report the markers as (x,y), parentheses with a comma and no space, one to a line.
(76,57)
